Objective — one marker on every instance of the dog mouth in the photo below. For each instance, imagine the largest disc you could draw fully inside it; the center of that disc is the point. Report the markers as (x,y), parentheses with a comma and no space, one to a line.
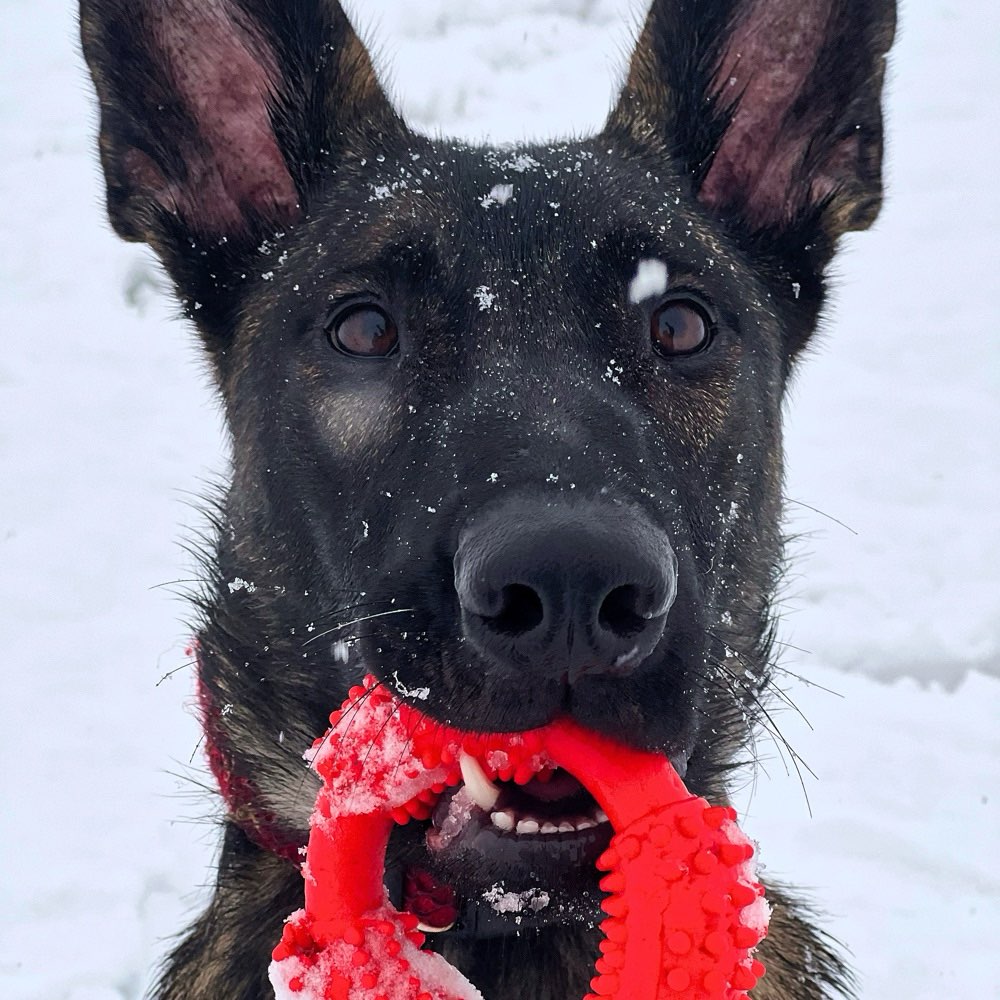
(551,803)
(518,847)
(542,834)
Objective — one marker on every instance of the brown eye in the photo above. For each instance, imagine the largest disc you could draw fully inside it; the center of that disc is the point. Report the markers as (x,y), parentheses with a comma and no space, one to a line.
(365,332)
(679,327)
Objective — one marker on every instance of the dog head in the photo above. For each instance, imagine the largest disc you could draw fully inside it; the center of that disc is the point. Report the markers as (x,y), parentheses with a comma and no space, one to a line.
(505,421)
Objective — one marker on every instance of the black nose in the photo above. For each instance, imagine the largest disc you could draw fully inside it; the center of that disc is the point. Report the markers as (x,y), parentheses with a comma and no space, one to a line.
(565,591)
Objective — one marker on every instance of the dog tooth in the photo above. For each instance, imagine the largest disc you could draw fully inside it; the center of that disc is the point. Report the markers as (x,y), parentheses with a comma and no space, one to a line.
(601,816)
(585,824)
(483,792)
(527,826)
(503,820)
(428,929)
(549,827)
(567,827)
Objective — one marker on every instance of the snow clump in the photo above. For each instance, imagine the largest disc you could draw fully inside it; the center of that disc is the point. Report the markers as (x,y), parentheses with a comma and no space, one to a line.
(650,280)
(499,194)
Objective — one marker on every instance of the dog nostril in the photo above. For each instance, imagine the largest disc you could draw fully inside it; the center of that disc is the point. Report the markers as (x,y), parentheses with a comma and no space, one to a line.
(520,610)
(619,613)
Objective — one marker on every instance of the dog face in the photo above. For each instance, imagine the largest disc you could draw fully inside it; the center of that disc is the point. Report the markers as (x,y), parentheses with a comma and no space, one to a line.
(505,422)
(529,480)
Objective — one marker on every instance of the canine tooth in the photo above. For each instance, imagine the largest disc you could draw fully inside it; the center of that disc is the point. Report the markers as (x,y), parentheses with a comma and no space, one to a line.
(585,824)
(549,827)
(567,827)
(601,816)
(483,792)
(503,820)
(527,826)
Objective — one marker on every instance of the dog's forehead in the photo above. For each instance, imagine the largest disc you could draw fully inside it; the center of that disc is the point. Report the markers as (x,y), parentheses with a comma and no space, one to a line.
(526,205)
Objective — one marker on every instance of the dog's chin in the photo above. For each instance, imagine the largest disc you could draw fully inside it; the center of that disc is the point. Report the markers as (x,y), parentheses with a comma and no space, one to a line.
(520,856)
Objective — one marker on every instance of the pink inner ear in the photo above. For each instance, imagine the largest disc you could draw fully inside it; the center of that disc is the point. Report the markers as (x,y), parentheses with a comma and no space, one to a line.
(224,79)
(766,63)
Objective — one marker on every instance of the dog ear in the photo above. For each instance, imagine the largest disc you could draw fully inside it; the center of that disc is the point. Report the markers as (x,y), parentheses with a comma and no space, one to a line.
(218,115)
(771,107)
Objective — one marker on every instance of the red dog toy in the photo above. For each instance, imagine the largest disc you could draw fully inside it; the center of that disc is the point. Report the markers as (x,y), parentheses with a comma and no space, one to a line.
(684,910)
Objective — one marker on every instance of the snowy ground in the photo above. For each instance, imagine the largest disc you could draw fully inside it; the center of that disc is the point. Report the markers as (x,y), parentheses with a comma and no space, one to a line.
(894,432)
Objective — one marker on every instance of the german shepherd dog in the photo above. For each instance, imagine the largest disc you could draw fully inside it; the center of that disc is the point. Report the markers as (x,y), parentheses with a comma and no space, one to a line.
(505,424)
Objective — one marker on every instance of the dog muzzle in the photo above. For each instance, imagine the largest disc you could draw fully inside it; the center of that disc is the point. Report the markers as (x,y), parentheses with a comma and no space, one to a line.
(684,910)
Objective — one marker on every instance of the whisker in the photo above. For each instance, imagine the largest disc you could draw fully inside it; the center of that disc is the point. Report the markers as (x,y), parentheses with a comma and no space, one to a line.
(326,615)
(175,670)
(190,779)
(766,721)
(766,681)
(354,707)
(356,621)
(822,513)
(197,747)
(790,645)
(806,680)
(375,739)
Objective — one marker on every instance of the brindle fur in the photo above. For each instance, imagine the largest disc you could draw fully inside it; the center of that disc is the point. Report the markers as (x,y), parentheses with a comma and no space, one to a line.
(249,142)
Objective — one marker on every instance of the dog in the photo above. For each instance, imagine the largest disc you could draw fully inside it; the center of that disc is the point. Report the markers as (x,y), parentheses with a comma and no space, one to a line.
(505,423)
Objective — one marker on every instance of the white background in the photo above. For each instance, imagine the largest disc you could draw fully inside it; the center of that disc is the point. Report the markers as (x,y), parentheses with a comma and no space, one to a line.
(107,426)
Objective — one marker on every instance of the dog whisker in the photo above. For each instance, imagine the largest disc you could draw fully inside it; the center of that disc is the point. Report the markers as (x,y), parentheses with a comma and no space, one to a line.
(808,682)
(377,736)
(176,670)
(345,718)
(357,621)
(343,609)
(764,718)
(822,513)
(310,625)
(197,747)
(190,779)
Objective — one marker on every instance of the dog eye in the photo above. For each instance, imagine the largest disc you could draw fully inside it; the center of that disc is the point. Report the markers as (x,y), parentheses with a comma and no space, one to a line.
(678,327)
(365,332)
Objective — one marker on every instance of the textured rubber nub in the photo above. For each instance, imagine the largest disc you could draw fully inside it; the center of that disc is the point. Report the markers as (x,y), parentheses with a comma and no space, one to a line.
(684,912)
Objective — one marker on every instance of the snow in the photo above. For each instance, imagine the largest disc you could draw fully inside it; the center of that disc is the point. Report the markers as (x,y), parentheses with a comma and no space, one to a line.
(420,693)
(367,762)
(485,298)
(107,427)
(499,194)
(460,810)
(503,900)
(650,280)
(397,959)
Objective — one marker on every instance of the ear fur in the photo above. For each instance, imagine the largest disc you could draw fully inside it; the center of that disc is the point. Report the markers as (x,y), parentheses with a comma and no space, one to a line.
(217,115)
(771,107)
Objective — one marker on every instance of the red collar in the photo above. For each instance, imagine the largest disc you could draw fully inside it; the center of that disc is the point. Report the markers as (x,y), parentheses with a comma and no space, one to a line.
(240,794)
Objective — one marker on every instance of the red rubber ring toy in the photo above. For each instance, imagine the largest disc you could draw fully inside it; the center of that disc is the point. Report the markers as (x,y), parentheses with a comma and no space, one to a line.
(684,910)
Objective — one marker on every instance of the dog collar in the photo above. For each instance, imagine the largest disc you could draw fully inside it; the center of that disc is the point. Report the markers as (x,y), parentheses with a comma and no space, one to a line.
(239,792)
(413,889)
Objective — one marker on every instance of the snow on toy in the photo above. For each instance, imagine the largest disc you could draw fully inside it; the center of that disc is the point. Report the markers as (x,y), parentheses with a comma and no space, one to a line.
(684,911)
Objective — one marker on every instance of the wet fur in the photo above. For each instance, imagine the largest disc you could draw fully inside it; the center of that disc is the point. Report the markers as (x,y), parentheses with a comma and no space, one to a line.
(350,486)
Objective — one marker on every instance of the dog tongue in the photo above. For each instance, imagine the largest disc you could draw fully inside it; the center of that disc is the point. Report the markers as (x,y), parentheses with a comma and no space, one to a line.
(684,911)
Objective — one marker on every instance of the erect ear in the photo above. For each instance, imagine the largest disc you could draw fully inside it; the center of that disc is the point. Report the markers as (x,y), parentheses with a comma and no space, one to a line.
(772,107)
(218,115)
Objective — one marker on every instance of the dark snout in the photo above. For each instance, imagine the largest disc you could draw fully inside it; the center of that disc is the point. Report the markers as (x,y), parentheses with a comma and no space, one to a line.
(562,590)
